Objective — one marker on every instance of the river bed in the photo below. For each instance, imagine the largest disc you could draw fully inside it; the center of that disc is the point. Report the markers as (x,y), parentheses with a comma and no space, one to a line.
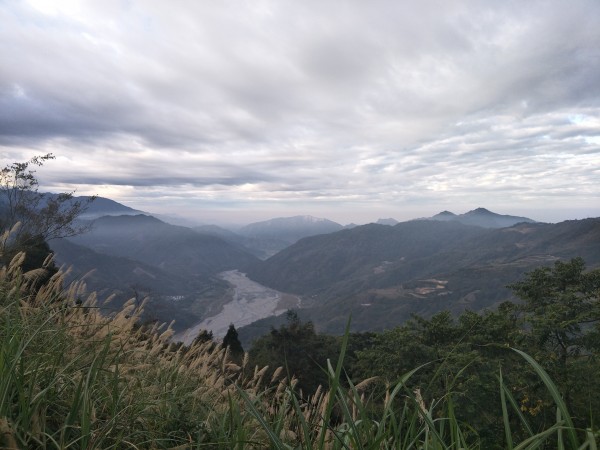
(251,301)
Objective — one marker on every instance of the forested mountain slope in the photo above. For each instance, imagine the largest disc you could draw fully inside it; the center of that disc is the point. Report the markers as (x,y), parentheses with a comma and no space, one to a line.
(173,248)
(382,275)
(319,262)
(169,296)
(268,237)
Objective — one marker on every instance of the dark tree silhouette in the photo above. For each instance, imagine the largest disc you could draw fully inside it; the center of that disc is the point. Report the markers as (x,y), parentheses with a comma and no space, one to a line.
(232,342)
(32,218)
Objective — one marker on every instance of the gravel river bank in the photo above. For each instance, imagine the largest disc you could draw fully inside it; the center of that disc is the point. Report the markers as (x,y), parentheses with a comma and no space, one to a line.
(251,301)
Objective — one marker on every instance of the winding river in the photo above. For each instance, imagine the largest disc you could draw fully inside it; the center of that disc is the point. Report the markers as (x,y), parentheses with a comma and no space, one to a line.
(251,301)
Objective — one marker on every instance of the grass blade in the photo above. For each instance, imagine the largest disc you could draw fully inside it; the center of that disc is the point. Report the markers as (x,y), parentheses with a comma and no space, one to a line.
(507,431)
(277,443)
(558,400)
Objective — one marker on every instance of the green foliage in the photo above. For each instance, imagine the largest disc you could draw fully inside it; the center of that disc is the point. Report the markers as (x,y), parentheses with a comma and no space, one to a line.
(203,337)
(406,419)
(33,217)
(41,216)
(72,378)
(232,342)
(561,304)
(299,349)
(561,314)
(557,323)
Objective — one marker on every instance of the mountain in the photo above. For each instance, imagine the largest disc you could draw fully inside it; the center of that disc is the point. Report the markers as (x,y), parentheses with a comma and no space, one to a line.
(481,217)
(260,247)
(445,216)
(172,248)
(390,222)
(223,233)
(276,234)
(382,275)
(107,274)
(290,228)
(321,262)
(142,256)
(99,207)
(106,207)
(170,296)
(102,206)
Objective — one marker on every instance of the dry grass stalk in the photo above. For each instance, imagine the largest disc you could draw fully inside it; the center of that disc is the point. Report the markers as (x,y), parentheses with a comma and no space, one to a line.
(7,435)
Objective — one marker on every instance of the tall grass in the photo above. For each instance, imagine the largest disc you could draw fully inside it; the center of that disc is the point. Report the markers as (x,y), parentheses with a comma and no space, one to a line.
(403,419)
(71,377)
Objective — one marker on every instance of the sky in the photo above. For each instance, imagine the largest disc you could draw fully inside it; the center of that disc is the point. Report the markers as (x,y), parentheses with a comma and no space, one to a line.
(239,111)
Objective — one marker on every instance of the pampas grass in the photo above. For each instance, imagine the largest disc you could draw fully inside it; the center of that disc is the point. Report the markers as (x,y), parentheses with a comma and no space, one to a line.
(73,378)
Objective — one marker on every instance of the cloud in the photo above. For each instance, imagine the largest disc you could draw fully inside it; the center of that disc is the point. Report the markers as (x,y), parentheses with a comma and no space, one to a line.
(297,103)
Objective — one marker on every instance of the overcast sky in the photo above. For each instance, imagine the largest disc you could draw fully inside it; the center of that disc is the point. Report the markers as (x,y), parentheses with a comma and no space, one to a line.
(351,110)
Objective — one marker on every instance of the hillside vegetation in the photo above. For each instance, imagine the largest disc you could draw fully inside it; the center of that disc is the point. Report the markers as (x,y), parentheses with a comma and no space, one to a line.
(172,248)
(77,374)
(382,275)
(141,256)
(71,377)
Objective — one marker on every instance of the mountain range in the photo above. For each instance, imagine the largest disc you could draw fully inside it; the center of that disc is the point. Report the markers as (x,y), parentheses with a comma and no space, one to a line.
(172,248)
(272,236)
(380,274)
(102,206)
(481,217)
(140,255)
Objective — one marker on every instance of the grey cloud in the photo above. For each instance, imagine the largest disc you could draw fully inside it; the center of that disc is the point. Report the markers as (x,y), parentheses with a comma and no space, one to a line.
(332,100)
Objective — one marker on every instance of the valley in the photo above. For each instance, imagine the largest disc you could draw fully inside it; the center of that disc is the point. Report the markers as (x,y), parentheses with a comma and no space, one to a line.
(381,274)
(460,289)
(251,302)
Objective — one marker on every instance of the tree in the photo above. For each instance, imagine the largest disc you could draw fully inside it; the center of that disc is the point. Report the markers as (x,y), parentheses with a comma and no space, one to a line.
(232,342)
(561,313)
(458,360)
(203,337)
(33,217)
(299,350)
(560,305)
(49,216)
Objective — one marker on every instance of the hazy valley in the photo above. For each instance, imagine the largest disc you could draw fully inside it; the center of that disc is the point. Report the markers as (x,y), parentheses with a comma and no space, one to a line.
(379,274)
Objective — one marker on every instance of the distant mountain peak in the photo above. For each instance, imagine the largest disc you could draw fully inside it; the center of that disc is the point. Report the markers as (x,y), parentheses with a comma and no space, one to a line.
(391,222)
(102,206)
(129,219)
(445,214)
(295,220)
(311,219)
(290,229)
(480,211)
(482,217)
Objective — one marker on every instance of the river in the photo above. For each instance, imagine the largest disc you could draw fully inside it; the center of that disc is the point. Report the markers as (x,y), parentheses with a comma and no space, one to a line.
(251,301)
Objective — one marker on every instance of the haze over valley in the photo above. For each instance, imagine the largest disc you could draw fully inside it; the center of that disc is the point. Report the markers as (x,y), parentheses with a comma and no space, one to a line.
(380,273)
